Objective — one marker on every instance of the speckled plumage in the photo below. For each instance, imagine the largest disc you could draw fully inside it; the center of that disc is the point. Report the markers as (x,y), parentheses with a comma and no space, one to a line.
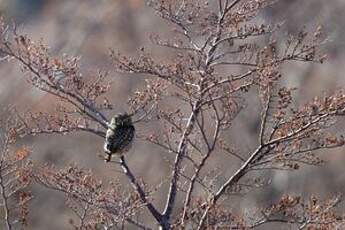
(120,135)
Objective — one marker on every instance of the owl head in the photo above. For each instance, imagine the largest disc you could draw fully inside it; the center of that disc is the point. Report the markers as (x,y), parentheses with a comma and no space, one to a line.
(121,119)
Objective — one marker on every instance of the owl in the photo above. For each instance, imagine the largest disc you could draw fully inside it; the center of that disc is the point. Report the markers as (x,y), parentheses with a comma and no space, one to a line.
(120,135)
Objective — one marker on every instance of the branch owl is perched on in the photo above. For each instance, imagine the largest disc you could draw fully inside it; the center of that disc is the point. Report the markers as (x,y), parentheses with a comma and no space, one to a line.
(120,135)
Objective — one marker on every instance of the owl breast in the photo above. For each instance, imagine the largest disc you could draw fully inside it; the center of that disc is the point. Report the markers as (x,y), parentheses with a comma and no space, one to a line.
(119,140)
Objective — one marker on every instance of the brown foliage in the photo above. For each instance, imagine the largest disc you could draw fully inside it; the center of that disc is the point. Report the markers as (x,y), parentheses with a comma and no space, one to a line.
(220,55)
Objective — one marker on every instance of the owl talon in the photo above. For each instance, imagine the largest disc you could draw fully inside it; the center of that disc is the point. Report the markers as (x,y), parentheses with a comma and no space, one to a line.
(106,158)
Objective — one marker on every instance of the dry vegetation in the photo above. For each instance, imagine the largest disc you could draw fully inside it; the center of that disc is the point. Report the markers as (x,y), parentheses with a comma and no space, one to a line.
(220,57)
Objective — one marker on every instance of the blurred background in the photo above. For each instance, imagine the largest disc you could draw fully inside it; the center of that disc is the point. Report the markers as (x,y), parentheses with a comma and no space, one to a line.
(89,28)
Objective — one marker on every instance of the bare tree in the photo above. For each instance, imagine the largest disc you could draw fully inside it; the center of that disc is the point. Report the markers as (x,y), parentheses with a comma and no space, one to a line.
(221,56)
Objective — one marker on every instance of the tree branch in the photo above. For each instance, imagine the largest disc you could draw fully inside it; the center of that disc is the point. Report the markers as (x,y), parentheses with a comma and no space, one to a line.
(136,186)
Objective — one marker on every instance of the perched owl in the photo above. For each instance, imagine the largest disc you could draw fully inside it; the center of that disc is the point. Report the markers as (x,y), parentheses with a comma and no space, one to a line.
(120,135)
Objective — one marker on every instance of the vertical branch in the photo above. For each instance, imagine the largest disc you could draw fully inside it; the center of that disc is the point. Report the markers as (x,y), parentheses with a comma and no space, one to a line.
(209,55)
(201,164)
(178,159)
(264,115)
